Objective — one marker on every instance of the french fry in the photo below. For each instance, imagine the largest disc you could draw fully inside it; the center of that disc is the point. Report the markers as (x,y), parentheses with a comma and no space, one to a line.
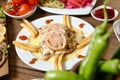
(84,39)
(65,20)
(68,22)
(83,42)
(56,62)
(25,26)
(27,47)
(60,62)
(30,27)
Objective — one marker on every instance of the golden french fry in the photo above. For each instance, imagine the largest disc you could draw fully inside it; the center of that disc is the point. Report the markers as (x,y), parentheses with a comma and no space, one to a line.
(31,27)
(83,42)
(65,20)
(68,22)
(84,39)
(56,62)
(27,47)
(60,61)
(25,26)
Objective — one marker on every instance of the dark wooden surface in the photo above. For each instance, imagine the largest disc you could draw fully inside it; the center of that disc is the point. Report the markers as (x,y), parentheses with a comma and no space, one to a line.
(19,70)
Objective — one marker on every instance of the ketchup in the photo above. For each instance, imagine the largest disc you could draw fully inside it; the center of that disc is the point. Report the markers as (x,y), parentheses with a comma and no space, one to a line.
(33,61)
(81,25)
(23,37)
(80,56)
(49,21)
(100,13)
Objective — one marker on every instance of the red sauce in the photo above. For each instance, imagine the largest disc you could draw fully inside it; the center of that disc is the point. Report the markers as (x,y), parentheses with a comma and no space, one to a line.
(100,14)
(81,25)
(49,21)
(23,37)
(80,56)
(33,61)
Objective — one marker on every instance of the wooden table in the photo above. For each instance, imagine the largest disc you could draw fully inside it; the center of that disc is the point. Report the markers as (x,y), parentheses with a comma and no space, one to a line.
(19,70)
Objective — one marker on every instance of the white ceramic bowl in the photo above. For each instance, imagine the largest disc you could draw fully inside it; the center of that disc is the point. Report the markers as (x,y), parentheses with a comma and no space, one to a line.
(28,14)
(99,7)
(116,27)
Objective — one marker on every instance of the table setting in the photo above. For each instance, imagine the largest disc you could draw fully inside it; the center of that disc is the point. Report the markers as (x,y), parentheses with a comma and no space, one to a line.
(53,37)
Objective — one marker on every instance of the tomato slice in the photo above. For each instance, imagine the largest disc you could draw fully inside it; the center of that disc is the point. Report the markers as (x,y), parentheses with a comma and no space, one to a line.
(17,1)
(24,8)
(32,2)
(10,8)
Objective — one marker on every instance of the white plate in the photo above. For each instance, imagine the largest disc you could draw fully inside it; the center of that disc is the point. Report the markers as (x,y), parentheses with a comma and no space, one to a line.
(77,11)
(116,27)
(26,56)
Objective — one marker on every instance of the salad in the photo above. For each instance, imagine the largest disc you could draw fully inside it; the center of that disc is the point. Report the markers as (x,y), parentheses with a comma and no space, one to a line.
(19,7)
(69,4)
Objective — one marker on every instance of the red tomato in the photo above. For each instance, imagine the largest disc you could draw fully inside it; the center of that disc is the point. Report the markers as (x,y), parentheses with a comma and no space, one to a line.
(32,2)
(10,8)
(17,1)
(24,8)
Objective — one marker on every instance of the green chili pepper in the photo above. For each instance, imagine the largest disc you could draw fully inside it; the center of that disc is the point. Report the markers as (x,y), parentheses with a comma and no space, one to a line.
(60,75)
(113,65)
(97,46)
(108,69)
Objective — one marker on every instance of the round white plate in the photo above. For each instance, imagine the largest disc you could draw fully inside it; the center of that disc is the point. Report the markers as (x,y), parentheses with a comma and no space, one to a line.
(77,11)
(26,56)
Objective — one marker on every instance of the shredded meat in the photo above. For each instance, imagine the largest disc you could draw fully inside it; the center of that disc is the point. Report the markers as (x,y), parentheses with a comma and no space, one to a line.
(55,38)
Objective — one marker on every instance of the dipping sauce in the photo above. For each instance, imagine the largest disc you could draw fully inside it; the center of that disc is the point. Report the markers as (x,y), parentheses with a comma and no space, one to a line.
(80,56)
(81,25)
(23,37)
(100,13)
(49,21)
(33,61)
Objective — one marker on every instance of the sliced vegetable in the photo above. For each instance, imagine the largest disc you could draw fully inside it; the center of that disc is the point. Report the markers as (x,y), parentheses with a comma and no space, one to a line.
(32,2)
(24,8)
(10,8)
(17,1)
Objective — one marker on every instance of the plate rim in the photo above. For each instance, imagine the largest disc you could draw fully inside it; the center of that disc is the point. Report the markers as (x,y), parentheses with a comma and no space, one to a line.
(114,27)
